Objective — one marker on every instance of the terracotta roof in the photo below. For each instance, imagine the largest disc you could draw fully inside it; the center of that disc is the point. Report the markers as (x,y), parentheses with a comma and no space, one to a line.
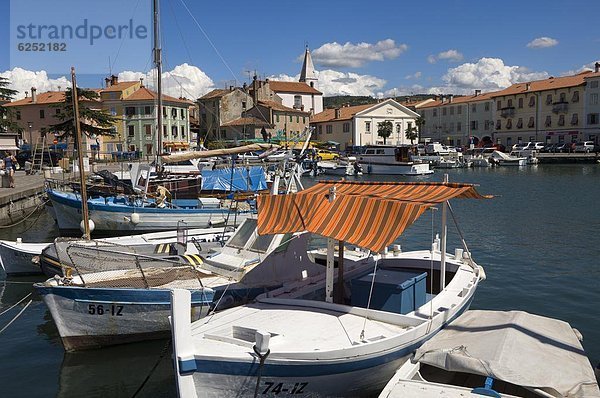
(292,87)
(216,93)
(144,94)
(246,121)
(120,86)
(461,100)
(278,107)
(547,84)
(49,97)
(346,113)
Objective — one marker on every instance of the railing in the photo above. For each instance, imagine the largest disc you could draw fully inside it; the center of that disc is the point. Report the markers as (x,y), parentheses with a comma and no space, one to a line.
(507,112)
(560,107)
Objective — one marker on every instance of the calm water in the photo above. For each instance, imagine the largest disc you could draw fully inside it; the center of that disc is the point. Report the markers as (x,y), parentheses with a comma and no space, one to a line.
(538,241)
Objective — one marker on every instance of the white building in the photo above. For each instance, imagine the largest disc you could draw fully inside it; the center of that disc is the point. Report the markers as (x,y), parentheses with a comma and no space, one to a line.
(592,106)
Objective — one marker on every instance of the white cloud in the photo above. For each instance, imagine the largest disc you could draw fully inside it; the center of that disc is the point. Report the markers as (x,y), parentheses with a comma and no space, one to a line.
(416,75)
(487,74)
(404,90)
(356,55)
(542,42)
(332,82)
(22,80)
(184,80)
(449,55)
(583,68)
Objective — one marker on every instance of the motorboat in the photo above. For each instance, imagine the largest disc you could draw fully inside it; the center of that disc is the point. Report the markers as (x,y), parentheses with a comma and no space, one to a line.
(20,258)
(380,159)
(344,332)
(503,159)
(498,354)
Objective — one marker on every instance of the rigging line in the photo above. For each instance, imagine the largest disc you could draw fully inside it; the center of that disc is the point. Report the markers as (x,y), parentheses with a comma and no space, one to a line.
(111,64)
(16,316)
(210,41)
(180,32)
(15,304)
(431,273)
(362,333)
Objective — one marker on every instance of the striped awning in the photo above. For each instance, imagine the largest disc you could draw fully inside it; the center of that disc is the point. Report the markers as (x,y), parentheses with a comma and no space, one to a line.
(370,215)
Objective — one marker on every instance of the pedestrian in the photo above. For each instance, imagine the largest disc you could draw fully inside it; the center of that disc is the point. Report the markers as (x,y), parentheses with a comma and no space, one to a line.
(9,166)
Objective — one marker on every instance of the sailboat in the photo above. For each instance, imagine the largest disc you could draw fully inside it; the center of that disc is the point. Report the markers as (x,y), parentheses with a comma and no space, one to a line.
(344,332)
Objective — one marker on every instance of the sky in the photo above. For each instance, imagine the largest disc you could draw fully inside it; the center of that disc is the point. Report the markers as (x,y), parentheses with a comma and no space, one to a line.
(380,49)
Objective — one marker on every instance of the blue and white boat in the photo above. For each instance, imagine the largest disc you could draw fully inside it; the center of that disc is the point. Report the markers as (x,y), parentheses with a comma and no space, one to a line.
(341,333)
(122,213)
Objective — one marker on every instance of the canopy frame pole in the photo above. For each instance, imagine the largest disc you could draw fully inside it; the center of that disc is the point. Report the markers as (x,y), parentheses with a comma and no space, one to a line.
(340,296)
(443,241)
(330,268)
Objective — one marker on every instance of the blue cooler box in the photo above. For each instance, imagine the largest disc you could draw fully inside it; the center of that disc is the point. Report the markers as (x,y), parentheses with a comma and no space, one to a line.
(398,291)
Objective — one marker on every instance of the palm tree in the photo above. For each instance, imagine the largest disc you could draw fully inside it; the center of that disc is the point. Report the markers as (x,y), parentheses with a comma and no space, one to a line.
(411,134)
(6,115)
(385,129)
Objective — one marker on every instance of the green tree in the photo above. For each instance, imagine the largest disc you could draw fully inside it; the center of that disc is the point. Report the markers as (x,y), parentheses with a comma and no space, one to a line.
(91,121)
(411,134)
(6,114)
(385,129)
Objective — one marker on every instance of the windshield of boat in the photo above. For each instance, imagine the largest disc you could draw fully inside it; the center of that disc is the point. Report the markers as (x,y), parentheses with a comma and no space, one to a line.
(247,237)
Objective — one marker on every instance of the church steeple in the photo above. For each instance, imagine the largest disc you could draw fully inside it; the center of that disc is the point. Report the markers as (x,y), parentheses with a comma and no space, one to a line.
(307,74)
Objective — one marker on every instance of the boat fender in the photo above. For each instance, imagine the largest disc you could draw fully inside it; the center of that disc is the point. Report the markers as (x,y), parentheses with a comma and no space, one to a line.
(216,221)
(91,224)
(578,335)
(135,218)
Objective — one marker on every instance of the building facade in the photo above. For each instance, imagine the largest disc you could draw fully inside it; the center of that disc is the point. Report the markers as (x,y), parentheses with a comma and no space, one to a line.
(592,106)
(220,107)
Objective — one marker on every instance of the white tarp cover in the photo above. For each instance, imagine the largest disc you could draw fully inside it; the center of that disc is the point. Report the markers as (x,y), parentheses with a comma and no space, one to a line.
(516,347)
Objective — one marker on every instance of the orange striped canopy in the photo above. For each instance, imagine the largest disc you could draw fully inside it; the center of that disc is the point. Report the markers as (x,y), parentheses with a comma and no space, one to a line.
(367,214)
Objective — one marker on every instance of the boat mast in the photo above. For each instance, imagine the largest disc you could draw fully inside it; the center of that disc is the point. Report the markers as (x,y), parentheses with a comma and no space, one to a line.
(443,242)
(158,63)
(84,204)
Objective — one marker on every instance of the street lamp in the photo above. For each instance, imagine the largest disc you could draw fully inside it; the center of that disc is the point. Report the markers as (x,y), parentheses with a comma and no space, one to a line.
(30,125)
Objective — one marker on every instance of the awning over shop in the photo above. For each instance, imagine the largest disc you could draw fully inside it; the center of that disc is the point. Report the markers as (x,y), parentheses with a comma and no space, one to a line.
(370,215)
(8,142)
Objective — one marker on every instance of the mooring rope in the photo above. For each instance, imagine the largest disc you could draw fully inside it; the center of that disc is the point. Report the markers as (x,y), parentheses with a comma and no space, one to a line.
(14,305)
(160,358)
(260,367)
(16,316)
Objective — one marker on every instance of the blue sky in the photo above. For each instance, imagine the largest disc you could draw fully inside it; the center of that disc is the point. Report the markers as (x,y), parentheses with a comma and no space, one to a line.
(358,48)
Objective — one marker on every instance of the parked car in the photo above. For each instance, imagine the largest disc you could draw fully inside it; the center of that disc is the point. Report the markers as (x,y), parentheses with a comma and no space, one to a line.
(584,147)
(50,158)
(323,154)
(565,147)
(518,147)
(533,146)
(548,148)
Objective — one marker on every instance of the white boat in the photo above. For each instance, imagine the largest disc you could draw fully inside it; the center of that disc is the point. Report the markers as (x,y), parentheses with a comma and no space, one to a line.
(313,339)
(498,354)
(391,160)
(503,159)
(20,258)
(340,167)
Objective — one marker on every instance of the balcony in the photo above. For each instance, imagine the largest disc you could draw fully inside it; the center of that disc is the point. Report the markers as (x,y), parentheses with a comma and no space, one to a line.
(560,107)
(509,111)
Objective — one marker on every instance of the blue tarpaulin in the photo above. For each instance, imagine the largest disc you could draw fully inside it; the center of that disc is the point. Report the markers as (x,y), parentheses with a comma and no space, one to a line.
(244,179)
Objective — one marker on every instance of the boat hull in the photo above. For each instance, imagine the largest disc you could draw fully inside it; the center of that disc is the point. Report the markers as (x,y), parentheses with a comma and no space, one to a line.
(108,218)
(397,169)
(95,317)
(20,260)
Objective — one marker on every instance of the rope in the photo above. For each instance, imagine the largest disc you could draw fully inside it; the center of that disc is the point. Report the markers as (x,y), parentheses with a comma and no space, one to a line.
(17,303)
(160,358)
(16,316)
(260,366)
(362,333)
(29,215)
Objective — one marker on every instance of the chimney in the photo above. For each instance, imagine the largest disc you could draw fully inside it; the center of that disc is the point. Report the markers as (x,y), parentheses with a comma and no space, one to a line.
(450,98)
(477,92)
(33,95)
(114,80)
(338,113)
(230,88)
(245,86)
(255,89)
(597,67)
(527,86)
(26,93)
(141,82)
(107,82)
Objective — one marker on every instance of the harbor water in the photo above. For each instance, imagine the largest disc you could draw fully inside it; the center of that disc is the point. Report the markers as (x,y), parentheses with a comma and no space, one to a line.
(537,239)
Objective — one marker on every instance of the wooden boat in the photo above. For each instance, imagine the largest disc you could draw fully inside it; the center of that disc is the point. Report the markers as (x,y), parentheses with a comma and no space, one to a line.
(329,336)
(498,354)
(20,258)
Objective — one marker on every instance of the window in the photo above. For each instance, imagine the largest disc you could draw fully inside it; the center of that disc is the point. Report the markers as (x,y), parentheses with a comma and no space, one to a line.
(498,124)
(182,113)
(531,101)
(320,129)
(277,118)
(531,122)
(474,125)
(499,105)
(487,106)
(147,110)
(548,121)
(575,96)
(18,115)
(243,104)
(409,126)
(548,99)
(509,124)
(182,131)
(561,120)
(129,110)
(148,149)
(458,126)
(509,103)
(520,102)
(486,125)
(164,111)
(297,101)
(563,97)
(297,119)
(130,131)
(57,111)
(174,131)
(459,110)
(42,114)
(367,127)
(398,128)
(451,126)
(474,108)
(173,113)
(443,111)
(346,128)
(434,112)
(575,119)
(329,129)
(165,131)
(592,118)
(593,99)
(452,110)
(148,128)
